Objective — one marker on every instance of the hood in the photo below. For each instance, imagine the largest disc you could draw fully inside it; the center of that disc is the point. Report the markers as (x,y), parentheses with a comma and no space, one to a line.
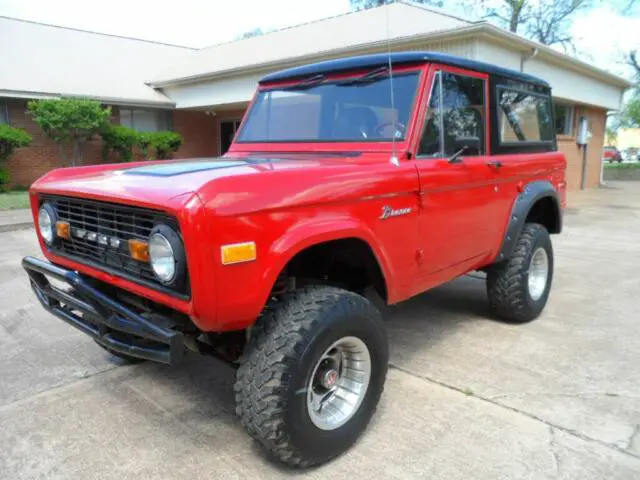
(156,183)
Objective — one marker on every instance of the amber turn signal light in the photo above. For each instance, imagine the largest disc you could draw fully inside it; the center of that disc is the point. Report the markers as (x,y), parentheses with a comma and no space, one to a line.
(139,250)
(238,253)
(63,230)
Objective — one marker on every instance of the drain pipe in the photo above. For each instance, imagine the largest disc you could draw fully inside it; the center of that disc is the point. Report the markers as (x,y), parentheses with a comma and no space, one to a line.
(525,57)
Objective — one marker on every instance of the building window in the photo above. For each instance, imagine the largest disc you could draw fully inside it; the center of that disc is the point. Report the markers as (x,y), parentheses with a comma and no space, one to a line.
(228,129)
(146,120)
(524,117)
(564,118)
(4,111)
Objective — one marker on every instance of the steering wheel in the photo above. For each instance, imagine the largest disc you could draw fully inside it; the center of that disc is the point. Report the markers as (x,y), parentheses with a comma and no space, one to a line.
(400,129)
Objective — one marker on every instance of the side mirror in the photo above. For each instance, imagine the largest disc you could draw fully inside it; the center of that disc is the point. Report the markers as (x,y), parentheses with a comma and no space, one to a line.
(456,157)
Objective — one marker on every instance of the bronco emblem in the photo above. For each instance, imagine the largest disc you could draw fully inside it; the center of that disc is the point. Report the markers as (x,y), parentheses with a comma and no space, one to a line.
(388,212)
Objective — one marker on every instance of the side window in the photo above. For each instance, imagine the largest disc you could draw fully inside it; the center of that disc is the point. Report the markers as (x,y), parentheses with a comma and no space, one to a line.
(455,117)
(524,117)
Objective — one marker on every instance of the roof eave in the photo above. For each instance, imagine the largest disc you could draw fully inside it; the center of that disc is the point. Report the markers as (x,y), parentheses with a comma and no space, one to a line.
(284,63)
(482,28)
(129,102)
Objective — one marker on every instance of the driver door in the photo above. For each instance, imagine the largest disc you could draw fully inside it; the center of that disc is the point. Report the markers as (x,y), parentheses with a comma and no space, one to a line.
(456,184)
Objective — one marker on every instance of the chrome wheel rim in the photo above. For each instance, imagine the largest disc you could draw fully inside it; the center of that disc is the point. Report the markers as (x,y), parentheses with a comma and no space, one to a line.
(538,273)
(339,383)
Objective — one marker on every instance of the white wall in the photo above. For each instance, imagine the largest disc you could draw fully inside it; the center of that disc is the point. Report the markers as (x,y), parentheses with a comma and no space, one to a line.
(571,85)
(214,93)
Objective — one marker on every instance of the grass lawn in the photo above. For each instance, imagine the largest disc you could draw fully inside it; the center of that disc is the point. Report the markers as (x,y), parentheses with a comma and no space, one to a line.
(14,200)
(622,165)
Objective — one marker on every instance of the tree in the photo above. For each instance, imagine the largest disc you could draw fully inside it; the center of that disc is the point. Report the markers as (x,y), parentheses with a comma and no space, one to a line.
(634,62)
(10,139)
(550,21)
(630,116)
(512,14)
(366,4)
(545,21)
(256,32)
(70,122)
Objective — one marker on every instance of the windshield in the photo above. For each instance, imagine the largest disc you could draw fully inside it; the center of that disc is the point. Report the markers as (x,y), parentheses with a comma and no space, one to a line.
(317,110)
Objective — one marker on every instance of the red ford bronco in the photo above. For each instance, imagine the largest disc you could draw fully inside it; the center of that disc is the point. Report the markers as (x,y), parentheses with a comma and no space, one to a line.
(352,184)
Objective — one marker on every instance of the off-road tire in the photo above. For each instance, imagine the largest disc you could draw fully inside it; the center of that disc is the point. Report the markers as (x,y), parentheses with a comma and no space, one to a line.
(279,359)
(508,281)
(122,356)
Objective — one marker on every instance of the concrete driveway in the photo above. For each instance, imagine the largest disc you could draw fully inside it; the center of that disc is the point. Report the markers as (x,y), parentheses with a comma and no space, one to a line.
(466,397)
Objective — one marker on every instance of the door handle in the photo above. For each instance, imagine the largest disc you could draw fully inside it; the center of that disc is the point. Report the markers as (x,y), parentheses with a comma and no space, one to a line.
(495,163)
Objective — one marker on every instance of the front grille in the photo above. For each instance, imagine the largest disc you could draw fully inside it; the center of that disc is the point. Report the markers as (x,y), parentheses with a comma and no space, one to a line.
(112,221)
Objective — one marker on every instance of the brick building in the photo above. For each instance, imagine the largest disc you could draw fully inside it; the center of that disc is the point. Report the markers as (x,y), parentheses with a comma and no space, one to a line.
(202,94)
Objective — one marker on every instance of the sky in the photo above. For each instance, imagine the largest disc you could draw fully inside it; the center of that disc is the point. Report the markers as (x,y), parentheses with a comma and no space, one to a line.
(600,34)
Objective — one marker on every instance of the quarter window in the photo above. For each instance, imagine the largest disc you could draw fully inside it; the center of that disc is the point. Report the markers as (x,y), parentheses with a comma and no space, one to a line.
(564,115)
(524,117)
(146,120)
(455,117)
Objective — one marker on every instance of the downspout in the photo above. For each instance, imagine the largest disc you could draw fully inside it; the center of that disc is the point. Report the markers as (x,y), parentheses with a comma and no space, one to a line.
(525,57)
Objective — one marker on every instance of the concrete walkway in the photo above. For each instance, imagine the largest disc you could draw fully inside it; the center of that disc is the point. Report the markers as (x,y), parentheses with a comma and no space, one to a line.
(15,220)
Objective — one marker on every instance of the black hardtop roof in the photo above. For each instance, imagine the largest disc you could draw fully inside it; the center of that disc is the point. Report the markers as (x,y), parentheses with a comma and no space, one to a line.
(399,58)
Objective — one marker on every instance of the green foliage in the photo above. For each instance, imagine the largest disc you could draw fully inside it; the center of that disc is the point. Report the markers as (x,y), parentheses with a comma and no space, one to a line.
(10,139)
(631,114)
(164,144)
(70,121)
(119,139)
(622,166)
(14,200)
(4,179)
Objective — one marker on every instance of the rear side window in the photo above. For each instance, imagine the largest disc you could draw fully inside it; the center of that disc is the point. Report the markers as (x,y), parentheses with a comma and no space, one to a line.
(524,117)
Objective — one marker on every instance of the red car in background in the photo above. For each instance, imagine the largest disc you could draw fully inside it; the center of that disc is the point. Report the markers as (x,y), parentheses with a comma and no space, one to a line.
(612,154)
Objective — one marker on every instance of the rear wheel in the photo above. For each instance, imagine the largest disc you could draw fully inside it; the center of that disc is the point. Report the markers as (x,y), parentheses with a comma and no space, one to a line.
(312,375)
(519,288)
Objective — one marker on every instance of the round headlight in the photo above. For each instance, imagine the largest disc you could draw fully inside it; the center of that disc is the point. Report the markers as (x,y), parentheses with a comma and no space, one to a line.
(163,261)
(166,255)
(47,223)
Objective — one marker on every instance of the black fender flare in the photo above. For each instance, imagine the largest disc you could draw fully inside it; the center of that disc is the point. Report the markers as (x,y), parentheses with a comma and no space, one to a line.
(523,204)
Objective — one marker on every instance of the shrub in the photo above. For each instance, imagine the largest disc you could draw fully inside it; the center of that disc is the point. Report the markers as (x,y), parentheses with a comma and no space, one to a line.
(4,179)
(70,121)
(119,139)
(164,144)
(10,139)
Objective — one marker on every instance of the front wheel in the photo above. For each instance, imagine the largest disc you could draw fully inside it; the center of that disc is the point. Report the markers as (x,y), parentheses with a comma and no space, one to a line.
(312,375)
(519,287)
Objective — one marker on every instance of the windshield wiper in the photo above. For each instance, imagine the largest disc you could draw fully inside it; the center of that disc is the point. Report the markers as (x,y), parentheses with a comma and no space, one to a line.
(307,83)
(370,77)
